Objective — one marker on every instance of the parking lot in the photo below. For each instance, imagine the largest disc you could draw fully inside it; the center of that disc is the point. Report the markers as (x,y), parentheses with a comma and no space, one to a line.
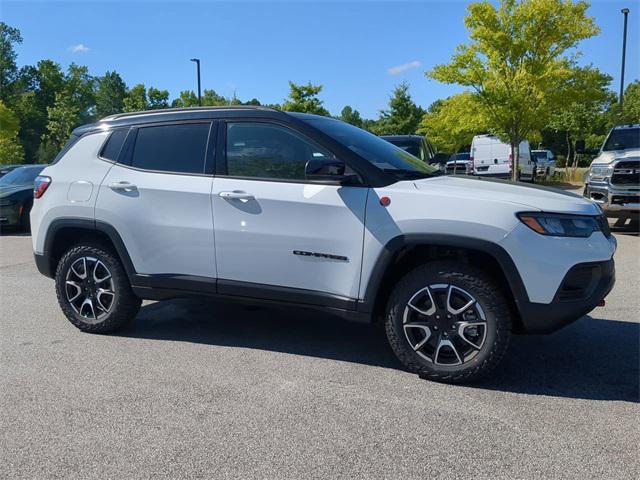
(197,389)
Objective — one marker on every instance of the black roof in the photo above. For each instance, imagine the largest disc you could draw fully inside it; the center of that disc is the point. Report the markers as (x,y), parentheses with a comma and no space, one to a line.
(173,114)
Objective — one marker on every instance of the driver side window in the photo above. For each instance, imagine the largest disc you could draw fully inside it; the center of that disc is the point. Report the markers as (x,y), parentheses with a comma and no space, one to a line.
(264,150)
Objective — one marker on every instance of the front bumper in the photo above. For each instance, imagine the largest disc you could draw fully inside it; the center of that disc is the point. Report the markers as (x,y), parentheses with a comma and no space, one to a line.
(614,201)
(583,288)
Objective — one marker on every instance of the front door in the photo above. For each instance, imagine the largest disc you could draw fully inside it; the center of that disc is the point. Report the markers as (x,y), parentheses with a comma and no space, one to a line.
(275,229)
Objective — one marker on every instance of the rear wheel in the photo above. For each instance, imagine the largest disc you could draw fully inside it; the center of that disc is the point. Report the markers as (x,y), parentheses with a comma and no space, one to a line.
(93,290)
(448,322)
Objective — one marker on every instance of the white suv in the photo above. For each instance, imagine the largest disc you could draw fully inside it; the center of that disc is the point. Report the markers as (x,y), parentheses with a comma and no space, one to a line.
(253,204)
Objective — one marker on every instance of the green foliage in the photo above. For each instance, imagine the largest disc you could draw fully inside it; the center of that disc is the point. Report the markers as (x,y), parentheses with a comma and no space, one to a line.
(158,98)
(352,116)
(304,98)
(9,37)
(63,117)
(631,104)
(452,123)
(110,94)
(403,116)
(520,61)
(11,151)
(136,99)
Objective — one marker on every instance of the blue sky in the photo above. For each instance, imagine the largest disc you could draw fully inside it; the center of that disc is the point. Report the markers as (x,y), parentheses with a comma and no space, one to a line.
(254,48)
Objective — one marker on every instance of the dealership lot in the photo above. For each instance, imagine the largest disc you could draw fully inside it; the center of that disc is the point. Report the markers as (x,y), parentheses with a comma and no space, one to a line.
(197,389)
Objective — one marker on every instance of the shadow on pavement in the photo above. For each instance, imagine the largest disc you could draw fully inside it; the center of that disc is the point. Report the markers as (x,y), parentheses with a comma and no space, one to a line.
(591,359)
(626,226)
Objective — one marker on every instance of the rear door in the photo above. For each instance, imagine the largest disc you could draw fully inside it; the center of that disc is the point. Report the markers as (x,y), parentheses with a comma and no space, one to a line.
(157,197)
(274,228)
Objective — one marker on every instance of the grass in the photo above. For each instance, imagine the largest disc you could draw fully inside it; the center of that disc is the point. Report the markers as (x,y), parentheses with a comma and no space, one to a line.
(567,177)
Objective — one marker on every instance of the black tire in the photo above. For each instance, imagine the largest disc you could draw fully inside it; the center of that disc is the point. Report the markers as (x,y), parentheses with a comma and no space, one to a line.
(491,303)
(123,306)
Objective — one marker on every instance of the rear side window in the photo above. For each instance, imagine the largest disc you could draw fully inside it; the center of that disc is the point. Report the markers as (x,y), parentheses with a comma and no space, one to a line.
(172,148)
(114,144)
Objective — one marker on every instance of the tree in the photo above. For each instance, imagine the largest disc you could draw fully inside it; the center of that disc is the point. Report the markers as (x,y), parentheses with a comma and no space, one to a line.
(63,118)
(136,99)
(158,98)
(9,37)
(110,94)
(351,116)
(586,98)
(452,123)
(80,86)
(304,98)
(211,99)
(403,115)
(631,104)
(187,98)
(10,148)
(517,62)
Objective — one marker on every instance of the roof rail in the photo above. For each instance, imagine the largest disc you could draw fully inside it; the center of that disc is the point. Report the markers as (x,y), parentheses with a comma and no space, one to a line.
(186,109)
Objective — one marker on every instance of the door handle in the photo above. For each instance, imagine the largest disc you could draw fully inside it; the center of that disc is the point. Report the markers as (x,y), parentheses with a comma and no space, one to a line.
(236,195)
(125,186)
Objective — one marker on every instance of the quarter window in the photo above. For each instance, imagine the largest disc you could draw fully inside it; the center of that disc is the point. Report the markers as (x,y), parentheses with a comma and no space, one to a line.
(263,150)
(172,148)
(114,144)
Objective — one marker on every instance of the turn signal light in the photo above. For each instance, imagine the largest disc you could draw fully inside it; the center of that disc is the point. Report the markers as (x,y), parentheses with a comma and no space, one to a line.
(40,185)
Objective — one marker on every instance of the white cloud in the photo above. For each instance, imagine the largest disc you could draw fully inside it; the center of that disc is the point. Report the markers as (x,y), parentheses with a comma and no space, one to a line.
(79,48)
(404,67)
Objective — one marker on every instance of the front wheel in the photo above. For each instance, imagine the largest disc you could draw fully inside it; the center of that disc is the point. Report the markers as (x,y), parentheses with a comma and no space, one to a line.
(447,321)
(93,290)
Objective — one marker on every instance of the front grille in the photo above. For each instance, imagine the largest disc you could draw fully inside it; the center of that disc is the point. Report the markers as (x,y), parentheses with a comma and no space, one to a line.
(625,199)
(626,173)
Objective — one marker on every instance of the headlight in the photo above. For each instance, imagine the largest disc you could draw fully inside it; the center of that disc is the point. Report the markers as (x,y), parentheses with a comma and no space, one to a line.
(600,171)
(561,225)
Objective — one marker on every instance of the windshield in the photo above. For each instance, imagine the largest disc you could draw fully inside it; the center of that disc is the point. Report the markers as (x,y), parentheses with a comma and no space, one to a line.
(21,176)
(460,156)
(379,152)
(623,139)
(540,155)
(411,147)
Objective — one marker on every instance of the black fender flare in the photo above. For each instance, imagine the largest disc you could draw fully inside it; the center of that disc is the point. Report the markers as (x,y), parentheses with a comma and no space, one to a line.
(393,247)
(44,260)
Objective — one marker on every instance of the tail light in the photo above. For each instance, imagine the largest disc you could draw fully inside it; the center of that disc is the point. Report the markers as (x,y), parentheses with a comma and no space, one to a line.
(40,185)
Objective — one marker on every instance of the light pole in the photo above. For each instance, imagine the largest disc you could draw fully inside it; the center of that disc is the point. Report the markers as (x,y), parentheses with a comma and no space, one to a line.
(625,12)
(197,60)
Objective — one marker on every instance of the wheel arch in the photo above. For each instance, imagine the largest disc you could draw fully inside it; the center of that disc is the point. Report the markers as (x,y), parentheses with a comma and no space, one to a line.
(404,252)
(63,233)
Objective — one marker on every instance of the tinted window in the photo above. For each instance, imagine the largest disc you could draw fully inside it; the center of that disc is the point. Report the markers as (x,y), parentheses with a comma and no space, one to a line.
(375,150)
(412,147)
(114,143)
(269,151)
(22,176)
(172,148)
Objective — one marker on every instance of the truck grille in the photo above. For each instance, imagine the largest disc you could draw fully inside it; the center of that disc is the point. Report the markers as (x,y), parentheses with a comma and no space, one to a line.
(626,173)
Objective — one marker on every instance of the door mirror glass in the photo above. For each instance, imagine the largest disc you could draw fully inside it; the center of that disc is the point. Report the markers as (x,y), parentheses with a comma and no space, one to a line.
(322,168)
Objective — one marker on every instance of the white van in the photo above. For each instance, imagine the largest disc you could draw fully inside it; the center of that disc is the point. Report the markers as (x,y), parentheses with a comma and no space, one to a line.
(492,157)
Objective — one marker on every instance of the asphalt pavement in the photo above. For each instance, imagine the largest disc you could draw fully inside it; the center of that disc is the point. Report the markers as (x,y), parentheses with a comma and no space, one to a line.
(196,389)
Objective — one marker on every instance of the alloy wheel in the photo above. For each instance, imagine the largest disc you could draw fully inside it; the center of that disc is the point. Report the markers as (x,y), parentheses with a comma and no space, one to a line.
(90,288)
(444,324)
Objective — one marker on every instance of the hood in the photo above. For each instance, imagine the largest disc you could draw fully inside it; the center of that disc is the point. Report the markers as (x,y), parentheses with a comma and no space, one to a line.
(528,197)
(6,190)
(610,156)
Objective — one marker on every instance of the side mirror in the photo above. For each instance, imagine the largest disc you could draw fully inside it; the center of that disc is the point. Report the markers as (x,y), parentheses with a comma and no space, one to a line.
(329,170)
(440,158)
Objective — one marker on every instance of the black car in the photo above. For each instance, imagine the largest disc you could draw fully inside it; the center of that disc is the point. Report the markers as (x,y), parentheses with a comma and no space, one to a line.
(4,169)
(418,147)
(16,196)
